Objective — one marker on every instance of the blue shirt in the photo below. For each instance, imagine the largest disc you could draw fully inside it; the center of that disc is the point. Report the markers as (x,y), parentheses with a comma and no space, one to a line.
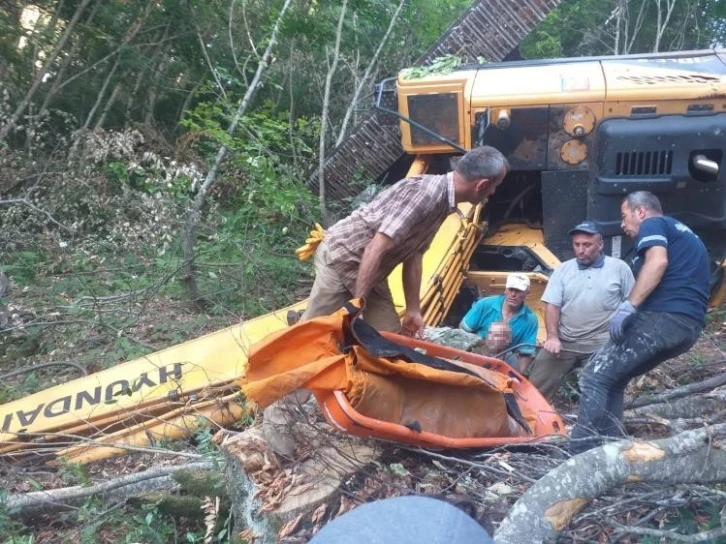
(488,310)
(684,286)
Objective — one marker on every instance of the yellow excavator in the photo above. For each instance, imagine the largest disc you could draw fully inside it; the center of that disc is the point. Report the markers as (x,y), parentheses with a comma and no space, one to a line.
(579,134)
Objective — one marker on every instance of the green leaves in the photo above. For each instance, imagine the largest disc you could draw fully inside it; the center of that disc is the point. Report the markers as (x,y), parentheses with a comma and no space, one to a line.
(440,66)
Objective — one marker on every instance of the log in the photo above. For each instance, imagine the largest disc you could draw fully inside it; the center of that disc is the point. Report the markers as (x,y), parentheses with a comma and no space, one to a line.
(697,456)
(683,408)
(267,497)
(678,392)
(56,500)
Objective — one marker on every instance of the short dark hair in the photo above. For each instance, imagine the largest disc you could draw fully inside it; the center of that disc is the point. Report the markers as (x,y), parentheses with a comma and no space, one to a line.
(482,162)
(646,199)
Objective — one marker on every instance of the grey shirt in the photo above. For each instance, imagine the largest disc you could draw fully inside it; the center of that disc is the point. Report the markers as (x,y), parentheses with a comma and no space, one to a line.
(587,299)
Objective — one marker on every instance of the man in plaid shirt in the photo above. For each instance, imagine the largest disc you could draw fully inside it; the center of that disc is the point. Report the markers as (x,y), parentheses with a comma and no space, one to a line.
(360,251)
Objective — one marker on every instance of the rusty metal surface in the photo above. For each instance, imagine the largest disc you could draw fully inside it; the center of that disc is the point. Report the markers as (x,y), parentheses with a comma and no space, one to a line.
(490,28)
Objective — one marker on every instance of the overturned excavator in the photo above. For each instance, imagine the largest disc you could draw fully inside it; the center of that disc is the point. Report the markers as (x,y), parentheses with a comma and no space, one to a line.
(579,134)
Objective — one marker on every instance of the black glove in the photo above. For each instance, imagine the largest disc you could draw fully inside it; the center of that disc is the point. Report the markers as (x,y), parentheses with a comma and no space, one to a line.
(620,318)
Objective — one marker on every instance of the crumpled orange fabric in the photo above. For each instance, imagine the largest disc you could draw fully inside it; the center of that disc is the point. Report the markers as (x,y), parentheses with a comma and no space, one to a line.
(310,355)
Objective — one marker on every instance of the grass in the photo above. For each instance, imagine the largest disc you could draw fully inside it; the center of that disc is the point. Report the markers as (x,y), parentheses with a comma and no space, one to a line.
(102,308)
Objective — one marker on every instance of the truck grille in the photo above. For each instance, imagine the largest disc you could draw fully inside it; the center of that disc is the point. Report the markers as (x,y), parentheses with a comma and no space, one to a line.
(644,163)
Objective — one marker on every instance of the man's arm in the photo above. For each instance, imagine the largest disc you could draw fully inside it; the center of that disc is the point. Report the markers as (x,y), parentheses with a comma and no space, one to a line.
(412,283)
(552,323)
(370,263)
(656,262)
(412,323)
(626,282)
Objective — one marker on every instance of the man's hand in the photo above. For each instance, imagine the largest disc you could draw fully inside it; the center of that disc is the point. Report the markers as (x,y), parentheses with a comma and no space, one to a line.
(553,345)
(412,324)
(620,320)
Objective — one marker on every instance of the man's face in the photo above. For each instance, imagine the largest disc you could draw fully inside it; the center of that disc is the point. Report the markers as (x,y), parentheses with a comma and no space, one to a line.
(514,298)
(484,188)
(631,219)
(587,247)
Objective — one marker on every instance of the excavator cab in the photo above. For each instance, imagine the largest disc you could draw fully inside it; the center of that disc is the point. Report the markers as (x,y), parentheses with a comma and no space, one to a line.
(580,134)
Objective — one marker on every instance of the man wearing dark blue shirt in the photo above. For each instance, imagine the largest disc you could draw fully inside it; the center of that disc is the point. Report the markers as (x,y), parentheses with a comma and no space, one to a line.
(662,318)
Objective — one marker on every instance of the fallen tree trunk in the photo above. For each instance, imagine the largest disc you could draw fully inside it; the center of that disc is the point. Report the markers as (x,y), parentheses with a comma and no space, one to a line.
(685,408)
(697,456)
(56,500)
(678,392)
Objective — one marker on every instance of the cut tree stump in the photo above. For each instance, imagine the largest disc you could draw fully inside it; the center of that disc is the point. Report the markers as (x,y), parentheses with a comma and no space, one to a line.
(267,496)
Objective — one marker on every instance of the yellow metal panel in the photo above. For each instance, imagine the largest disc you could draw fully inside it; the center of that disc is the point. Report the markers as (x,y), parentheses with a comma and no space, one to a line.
(664,106)
(537,85)
(216,358)
(440,85)
(522,235)
(648,79)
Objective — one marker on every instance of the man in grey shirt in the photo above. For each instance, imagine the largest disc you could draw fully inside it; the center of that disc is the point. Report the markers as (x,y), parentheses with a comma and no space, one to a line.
(581,297)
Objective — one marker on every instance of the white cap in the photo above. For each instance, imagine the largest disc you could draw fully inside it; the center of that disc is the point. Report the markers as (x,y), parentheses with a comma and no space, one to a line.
(517,281)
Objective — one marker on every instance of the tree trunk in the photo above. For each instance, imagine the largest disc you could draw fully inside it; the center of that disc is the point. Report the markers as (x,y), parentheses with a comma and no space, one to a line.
(190,226)
(679,392)
(56,500)
(10,124)
(158,69)
(324,119)
(67,59)
(691,406)
(107,108)
(101,93)
(367,74)
(548,506)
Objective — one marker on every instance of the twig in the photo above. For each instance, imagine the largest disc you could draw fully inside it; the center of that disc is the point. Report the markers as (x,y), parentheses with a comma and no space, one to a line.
(78,439)
(47,324)
(31,368)
(480,466)
(708,536)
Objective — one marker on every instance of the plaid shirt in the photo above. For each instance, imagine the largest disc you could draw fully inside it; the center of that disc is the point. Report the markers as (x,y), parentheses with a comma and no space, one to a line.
(409,213)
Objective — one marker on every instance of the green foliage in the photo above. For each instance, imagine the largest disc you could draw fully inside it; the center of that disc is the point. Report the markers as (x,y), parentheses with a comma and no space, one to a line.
(11,531)
(73,473)
(24,266)
(440,66)
(596,27)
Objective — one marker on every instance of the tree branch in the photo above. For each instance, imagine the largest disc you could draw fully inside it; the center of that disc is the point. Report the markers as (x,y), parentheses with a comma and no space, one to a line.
(678,392)
(367,74)
(54,500)
(547,508)
(326,104)
(707,536)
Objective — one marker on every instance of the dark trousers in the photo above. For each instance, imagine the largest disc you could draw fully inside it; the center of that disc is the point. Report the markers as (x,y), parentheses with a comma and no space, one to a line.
(651,338)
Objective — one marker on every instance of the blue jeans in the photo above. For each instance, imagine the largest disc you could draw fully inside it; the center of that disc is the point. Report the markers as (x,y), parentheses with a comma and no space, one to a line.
(403,520)
(651,338)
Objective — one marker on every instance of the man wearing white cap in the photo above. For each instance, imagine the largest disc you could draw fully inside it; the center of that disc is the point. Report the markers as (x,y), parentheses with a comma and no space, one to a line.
(508,308)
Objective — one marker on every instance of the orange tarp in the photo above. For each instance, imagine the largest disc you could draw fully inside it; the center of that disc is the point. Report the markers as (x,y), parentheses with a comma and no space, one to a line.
(382,380)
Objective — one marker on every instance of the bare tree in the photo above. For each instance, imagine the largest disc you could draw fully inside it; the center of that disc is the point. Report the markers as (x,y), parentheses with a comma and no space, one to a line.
(190,227)
(332,66)
(664,9)
(367,74)
(52,57)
